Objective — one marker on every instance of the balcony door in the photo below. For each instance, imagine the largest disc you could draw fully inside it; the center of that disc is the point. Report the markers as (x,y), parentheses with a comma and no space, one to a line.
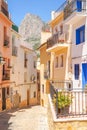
(79,5)
(3,98)
(84,75)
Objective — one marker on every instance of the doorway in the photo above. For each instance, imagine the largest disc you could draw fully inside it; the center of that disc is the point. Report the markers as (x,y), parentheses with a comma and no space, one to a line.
(3,98)
(84,75)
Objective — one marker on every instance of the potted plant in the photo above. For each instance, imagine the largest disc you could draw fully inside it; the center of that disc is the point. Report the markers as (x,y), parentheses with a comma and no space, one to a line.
(62,101)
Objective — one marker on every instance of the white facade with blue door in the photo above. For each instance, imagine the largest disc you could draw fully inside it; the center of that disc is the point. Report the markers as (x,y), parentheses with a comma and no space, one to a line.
(79,46)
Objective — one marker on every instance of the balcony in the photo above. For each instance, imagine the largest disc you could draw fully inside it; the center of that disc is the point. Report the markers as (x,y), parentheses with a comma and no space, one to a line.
(72,10)
(69,103)
(57,41)
(6,41)
(4,8)
(6,75)
(46,74)
(14,51)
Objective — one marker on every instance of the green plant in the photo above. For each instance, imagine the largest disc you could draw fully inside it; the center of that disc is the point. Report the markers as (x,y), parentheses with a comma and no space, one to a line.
(85,87)
(63,99)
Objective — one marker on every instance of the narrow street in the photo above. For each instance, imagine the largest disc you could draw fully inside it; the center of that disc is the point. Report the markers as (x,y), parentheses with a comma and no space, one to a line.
(33,118)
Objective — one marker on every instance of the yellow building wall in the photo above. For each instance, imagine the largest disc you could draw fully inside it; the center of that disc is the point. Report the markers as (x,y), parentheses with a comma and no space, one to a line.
(44,57)
(45,36)
(60,73)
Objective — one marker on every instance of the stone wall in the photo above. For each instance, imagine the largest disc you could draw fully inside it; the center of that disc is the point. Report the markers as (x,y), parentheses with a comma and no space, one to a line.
(50,118)
(65,125)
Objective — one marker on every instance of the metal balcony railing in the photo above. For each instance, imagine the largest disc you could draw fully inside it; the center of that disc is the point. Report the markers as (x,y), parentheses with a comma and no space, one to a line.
(69,103)
(46,74)
(4,4)
(74,6)
(6,41)
(14,51)
(5,11)
(6,75)
(4,8)
(58,38)
(69,7)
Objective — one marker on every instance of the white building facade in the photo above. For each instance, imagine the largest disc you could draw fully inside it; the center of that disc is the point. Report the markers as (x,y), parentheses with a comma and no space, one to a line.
(23,73)
(76,18)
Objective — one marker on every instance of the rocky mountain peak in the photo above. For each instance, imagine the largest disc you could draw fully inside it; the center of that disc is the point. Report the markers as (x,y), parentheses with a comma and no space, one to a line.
(30,29)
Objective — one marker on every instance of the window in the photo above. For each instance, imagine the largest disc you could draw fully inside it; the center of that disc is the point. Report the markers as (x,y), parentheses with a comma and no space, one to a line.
(7,90)
(3,70)
(61,61)
(42,88)
(34,94)
(35,64)
(8,62)
(80,35)
(79,5)
(13,40)
(56,62)
(25,60)
(48,69)
(61,29)
(25,76)
(76,71)
(5,32)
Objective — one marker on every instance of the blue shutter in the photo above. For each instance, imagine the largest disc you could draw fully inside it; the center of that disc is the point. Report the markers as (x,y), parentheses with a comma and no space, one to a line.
(76,71)
(82,28)
(79,5)
(77,36)
(84,74)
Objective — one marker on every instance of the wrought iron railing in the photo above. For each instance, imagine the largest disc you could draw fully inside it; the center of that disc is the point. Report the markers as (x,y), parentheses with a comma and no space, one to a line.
(69,103)
(6,75)
(4,8)
(6,41)
(5,11)
(58,38)
(74,6)
(69,7)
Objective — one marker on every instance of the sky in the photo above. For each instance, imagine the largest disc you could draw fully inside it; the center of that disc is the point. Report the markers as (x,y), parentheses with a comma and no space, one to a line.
(41,8)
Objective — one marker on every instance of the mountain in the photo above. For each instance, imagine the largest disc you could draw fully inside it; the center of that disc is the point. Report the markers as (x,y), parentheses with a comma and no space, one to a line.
(30,29)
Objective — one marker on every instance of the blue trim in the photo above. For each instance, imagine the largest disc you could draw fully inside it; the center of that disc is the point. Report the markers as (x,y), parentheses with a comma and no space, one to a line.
(84,74)
(79,5)
(78,35)
(76,71)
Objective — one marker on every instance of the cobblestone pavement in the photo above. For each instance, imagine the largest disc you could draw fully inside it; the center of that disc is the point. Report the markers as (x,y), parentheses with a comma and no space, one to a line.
(33,118)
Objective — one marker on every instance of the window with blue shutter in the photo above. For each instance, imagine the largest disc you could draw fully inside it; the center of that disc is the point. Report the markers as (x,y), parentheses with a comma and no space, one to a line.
(79,5)
(80,35)
(76,71)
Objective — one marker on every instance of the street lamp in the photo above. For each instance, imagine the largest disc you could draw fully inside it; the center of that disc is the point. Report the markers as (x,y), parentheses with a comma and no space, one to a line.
(2,61)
